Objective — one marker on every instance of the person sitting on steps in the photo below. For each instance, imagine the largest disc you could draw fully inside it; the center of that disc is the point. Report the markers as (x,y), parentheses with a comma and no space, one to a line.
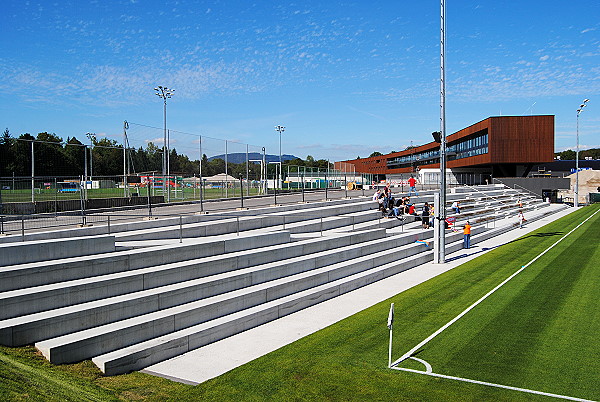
(456,207)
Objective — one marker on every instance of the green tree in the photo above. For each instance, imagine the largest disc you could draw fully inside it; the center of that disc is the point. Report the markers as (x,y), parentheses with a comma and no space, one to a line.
(567,155)
(7,156)
(49,155)
(74,157)
(107,157)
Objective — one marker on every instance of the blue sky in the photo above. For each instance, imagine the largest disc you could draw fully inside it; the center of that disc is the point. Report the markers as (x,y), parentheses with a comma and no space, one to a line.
(345,78)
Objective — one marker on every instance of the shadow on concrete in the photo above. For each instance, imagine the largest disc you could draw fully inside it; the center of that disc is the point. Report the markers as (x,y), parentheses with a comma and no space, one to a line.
(483,249)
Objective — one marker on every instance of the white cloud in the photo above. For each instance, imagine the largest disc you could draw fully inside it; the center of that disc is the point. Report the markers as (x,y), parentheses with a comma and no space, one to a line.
(544,58)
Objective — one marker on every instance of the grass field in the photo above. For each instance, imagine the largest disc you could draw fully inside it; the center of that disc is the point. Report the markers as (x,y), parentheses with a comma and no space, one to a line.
(538,331)
(176,194)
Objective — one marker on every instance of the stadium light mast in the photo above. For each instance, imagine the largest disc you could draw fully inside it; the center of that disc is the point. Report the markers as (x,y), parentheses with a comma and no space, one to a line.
(441,208)
(576,201)
(280,129)
(92,138)
(164,93)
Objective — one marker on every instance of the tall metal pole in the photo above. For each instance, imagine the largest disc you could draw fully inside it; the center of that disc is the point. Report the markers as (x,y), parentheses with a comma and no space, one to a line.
(32,174)
(85,171)
(169,165)
(280,129)
(125,126)
(226,182)
(91,160)
(91,137)
(441,243)
(164,93)
(164,167)
(576,201)
(263,175)
(200,146)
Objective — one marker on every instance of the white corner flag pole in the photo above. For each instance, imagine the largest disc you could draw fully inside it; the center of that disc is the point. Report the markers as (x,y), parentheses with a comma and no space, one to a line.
(390,325)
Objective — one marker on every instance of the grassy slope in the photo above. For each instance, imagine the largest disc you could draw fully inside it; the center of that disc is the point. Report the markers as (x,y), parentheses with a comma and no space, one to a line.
(346,360)
(26,375)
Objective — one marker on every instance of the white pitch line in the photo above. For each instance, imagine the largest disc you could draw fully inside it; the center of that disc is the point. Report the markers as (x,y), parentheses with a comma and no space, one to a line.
(428,368)
(491,384)
(439,331)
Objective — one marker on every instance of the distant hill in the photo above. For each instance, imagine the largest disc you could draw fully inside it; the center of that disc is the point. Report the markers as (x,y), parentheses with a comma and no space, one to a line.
(240,157)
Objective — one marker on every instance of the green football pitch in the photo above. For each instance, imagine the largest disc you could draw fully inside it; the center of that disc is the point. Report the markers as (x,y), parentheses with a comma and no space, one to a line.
(536,331)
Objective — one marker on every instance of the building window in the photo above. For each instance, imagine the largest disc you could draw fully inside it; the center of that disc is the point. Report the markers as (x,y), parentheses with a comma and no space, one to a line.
(469,147)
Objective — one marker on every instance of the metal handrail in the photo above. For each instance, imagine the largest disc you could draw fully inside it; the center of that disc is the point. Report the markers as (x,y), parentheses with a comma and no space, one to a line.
(521,187)
(484,193)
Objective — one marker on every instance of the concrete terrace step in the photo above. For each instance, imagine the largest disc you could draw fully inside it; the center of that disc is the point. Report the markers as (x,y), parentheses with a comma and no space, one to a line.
(142,223)
(332,222)
(87,343)
(168,285)
(497,212)
(37,250)
(245,222)
(145,353)
(47,272)
(46,297)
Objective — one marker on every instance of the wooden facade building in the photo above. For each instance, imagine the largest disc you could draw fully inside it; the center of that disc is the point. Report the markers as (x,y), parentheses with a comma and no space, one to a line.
(503,146)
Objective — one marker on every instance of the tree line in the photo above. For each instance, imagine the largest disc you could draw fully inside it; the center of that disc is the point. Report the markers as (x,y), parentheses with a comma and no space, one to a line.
(55,157)
(569,154)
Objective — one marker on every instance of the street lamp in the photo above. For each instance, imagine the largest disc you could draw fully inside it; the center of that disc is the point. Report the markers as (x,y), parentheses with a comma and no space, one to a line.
(280,129)
(576,201)
(164,93)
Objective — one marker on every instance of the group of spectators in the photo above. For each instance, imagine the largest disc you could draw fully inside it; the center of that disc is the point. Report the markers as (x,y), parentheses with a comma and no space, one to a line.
(391,207)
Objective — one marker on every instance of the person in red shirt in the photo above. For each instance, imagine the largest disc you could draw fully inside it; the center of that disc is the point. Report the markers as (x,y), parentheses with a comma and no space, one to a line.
(412,184)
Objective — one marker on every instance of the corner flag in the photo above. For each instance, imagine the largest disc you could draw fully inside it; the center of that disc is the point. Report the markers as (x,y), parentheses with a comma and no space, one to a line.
(390,324)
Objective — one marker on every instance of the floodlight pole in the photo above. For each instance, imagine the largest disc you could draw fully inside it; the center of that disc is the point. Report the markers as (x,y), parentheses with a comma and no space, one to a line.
(91,137)
(164,93)
(576,201)
(125,128)
(280,129)
(441,211)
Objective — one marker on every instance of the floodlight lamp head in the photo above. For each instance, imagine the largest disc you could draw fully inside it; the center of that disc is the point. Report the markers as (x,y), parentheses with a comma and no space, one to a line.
(586,100)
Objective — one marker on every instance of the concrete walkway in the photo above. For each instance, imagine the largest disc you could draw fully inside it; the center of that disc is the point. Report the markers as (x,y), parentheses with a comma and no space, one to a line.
(215,359)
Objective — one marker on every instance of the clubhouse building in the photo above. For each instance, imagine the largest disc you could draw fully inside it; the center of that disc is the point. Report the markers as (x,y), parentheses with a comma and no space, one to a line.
(501,146)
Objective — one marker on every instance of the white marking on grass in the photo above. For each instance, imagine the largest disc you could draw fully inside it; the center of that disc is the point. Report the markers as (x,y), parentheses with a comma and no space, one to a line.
(491,384)
(428,368)
(472,306)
